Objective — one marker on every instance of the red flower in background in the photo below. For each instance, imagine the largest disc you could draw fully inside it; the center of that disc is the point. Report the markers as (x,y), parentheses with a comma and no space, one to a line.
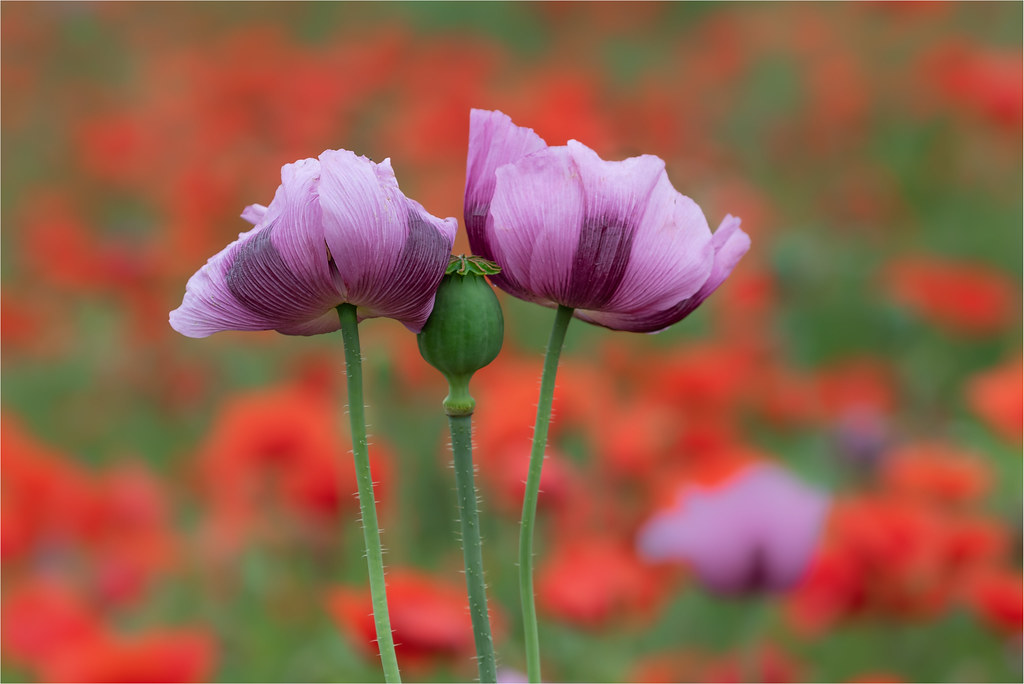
(959,297)
(43,618)
(903,557)
(58,518)
(429,617)
(52,632)
(591,582)
(997,397)
(998,598)
(763,662)
(937,472)
(46,498)
(506,395)
(158,657)
(984,81)
(275,457)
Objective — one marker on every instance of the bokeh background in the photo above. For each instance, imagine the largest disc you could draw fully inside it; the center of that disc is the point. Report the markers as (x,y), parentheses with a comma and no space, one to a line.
(181,510)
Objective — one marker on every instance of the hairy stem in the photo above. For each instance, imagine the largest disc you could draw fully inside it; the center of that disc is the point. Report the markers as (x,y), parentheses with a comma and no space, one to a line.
(367,501)
(462,448)
(540,440)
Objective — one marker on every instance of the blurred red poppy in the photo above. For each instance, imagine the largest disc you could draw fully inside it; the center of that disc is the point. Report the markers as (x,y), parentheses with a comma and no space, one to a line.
(763,662)
(962,298)
(998,598)
(159,656)
(42,619)
(980,80)
(997,397)
(935,471)
(590,582)
(279,449)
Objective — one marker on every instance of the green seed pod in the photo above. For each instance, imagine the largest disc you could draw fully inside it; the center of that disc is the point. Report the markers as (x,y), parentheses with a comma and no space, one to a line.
(465,330)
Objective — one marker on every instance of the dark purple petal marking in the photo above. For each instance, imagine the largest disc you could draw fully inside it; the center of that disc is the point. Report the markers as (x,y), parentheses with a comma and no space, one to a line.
(476,223)
(758,574)
(261,281)
(493,141)
(600,261)
(422,262)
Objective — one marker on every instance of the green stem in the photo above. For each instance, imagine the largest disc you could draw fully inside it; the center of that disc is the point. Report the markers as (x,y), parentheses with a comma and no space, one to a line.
(367,501)
(462,448)
(540,439)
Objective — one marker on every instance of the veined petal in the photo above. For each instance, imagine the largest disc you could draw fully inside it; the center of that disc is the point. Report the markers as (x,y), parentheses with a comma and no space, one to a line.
(671,256)
(534,224)
(729,244)
(493,142)
(389,252)
(298,233)
(209,306)
(407,294)
(616,197)
(254,213)
(338,230)
(364,221)
(274,276)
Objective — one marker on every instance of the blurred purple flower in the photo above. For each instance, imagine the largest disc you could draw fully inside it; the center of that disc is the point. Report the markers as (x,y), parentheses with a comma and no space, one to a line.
(755,532)
(506,675)
(614,240)
(339,230)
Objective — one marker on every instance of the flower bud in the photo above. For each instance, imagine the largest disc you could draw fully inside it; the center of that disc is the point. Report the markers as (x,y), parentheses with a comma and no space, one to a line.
(465,330)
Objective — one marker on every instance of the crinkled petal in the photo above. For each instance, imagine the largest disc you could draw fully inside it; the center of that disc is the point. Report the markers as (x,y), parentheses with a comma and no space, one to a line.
(298,226)
(630,227)
(407,295)
(728,244)
(254,213)
(338,230)
(534,224)
(671,255)
(364,220)
(493,142)
(209,305)
(389,253)
(275,276)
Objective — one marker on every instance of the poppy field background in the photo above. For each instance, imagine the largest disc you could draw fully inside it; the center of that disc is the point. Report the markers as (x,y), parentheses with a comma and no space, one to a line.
(181,510)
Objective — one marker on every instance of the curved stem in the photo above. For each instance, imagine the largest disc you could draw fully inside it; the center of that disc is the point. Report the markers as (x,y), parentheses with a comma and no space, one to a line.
(462,449)
(540,439)
(367,501)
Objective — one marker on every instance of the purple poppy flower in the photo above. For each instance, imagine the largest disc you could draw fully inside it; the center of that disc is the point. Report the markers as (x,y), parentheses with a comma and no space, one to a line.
(613,240)
(338,231)
(755,532)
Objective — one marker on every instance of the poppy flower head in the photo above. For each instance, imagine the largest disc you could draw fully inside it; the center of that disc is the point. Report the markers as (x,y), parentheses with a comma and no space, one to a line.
(338,231)
(613,240)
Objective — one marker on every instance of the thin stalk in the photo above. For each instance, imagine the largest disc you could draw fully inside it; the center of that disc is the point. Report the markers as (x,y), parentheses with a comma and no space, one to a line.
(367,501)
(540,440)
(462,449)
